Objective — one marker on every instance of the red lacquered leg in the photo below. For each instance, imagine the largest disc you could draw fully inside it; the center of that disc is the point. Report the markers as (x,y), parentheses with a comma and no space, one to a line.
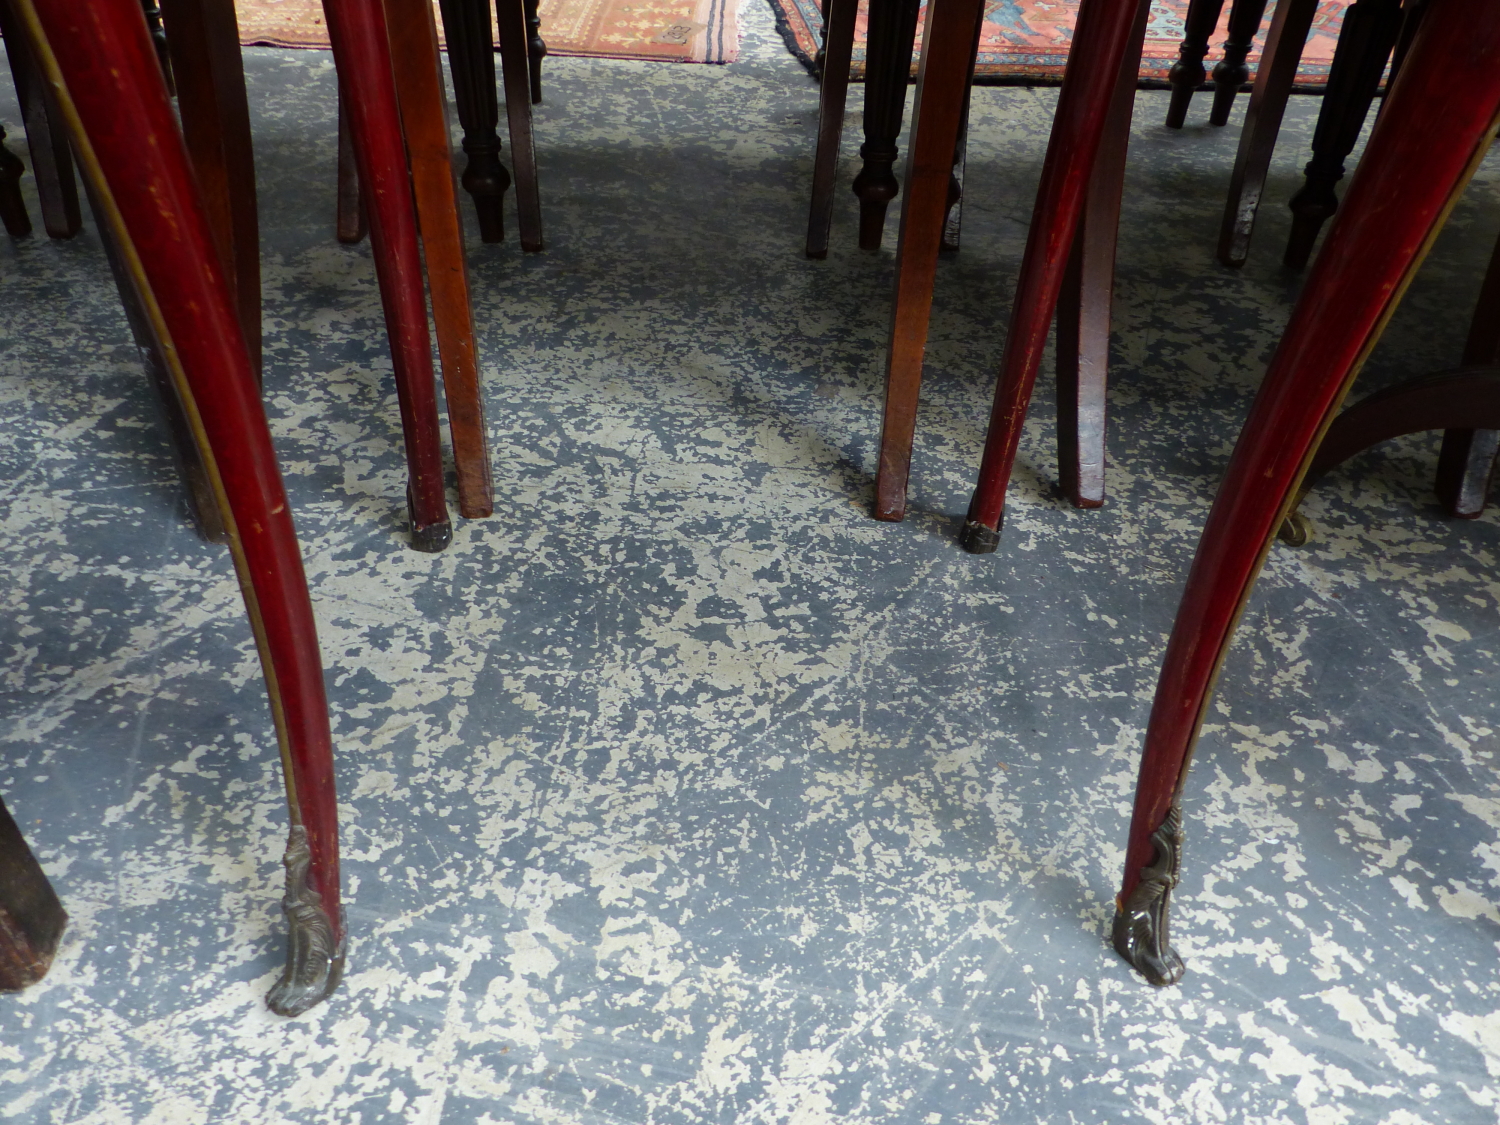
(1438,122)
(1100,42)
(99,59)
(1083,309)
(362,53)
(942,87)
(838,47)
(515,64)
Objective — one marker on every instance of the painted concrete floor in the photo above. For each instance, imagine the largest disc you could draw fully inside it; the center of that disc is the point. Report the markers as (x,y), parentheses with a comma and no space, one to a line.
(682,792)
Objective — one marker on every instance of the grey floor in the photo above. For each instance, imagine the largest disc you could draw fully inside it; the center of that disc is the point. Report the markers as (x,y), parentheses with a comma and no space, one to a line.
(682,792)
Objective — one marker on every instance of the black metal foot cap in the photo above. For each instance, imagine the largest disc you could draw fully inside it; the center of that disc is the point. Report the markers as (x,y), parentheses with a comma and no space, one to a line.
(432,538)
(978,539)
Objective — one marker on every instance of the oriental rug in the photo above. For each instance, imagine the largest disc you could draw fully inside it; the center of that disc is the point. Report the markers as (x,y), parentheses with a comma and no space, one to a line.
(1025,42)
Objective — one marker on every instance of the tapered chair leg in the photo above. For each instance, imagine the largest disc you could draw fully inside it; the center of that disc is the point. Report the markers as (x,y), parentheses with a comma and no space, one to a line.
(424,117)
(1438,122)
(31,917)
(1188,72)
(362,53)
(892,30)
(838,47)
(51,162)
(1083,310)
(942,86)
(514,70)
(1366,38)
(471,59)
(536,50)
(99,57)
(1273,85)
(1101,41)
(1231,73)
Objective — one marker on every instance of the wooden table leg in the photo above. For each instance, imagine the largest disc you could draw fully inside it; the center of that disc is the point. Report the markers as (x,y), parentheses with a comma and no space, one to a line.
(424,117)
(536,50)
(1101,40)
(514,70)
(1437,125)
(350,223)
(471,60)
(838,47)
(1273,85)
(1232,72)
(1188,72)
(1466,464)
(942,86)
(1083,310)
(31,918)
(888,51)
(99,58)
(51,162)
(362,53)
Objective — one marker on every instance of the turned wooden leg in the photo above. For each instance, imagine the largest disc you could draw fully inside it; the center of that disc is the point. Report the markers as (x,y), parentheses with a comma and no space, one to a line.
(51,161)
(471,59)
(205,51)
(1101,41)
(838,47)
(942,85)
(1232,72)
(1466,465)
(1083,309)
(31,918)
(424,117)
(1273,85)
(350,223)
(514,68)
(99,56)
(953,217)
(892,31)
(1187,73)
(362,53)
(536,50)
(12,205)
(1365,41)
(1437,125)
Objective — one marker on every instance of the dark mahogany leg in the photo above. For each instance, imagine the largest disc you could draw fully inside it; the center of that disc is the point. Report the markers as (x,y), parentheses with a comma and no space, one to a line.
(1365,40)
(942,85)
(892,30)
(1437,125)
(100,57)
(12,205)
(536,50)
(1101,41)
(514,68)
(350,223)
(210,74)
(1466,465)
(361,51)
(1232,73)
(1083,309)
(953,218)
(471,59)
(424,116)
(51,161)
(31,918)
(838,46)
(1187,73)
(1273,85)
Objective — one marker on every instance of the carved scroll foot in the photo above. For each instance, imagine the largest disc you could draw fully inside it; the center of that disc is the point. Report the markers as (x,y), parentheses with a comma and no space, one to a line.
(314,962)
(1140,933)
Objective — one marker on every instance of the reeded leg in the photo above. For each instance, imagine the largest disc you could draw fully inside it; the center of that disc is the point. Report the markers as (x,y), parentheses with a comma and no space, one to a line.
(1437,125)
(51,161)
(361,51)
(1232,73)
(134,158)
(838,47)
(12,205)
(350,223)
(948,38)
(536,50)
(510,19)
(1102,40)
(892,31)
(211,100)
(1366,37)
(471,59)
(31,918)
(1273,85)
(1083,310)
(1187,73)
(424,117)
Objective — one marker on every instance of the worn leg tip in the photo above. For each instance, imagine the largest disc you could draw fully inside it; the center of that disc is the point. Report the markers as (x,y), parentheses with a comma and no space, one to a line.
(432,538)
(1295,530)
(978,539)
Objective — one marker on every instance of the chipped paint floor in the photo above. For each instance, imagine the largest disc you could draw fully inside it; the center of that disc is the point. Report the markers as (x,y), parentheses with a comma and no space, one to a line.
(681,792)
